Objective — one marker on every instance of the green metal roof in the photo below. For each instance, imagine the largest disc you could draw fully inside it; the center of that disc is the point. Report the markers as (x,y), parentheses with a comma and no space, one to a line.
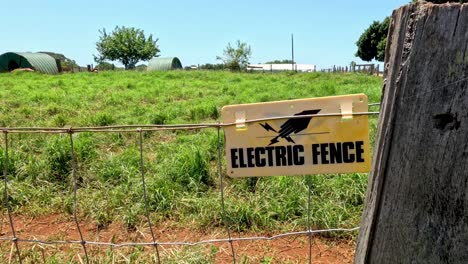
(164,64)
(38,61)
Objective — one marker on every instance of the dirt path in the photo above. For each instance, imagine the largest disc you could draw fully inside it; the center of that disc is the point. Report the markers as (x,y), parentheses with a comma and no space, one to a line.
(293,249)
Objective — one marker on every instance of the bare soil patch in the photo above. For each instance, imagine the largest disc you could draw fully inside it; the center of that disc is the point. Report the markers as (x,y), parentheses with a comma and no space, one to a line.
(293,249)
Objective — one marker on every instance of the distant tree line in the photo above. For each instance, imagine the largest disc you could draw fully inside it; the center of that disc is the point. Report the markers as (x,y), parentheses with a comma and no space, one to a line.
(279,62)
(209,66)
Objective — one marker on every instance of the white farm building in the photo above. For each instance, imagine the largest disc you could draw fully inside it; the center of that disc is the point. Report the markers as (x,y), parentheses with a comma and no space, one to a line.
(281,67)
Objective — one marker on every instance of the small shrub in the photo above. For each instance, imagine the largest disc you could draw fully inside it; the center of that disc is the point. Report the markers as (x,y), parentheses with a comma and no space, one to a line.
(13,162)
(131,217)
(85,146)
(59,158)
(191,170)
(162,195)
(60,120)
(131,86)
(241,216)
(103,119)
(213,111)
(68,204)
(158,119)
(101,213)
(204,111)
(52,109)
(119,168)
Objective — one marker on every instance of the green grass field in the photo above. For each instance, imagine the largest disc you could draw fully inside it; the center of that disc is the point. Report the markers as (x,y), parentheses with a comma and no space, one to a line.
(180,166)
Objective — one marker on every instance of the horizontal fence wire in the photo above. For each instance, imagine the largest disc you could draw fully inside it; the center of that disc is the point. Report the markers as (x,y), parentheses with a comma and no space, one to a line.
(146,128)
(143,128)
(180,243)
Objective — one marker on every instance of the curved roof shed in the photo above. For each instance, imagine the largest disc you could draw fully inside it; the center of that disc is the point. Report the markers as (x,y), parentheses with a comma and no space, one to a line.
(164,64)
(38,61)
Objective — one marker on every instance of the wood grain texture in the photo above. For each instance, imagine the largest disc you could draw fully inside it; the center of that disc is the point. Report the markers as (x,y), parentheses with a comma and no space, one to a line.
(417,204)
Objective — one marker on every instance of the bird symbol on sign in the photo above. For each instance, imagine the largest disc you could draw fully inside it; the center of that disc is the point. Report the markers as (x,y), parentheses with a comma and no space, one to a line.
(293,125)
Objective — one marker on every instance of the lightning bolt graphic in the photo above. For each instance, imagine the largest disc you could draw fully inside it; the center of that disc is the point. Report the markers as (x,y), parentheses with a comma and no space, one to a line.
(273,141)
(292,126)
(267,127)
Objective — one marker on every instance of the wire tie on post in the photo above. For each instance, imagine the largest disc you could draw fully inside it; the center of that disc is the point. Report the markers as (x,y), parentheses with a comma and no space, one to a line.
(145,197)
(74,172)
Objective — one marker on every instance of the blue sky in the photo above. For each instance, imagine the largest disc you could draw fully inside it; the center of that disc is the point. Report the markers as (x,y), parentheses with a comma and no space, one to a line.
(325,32)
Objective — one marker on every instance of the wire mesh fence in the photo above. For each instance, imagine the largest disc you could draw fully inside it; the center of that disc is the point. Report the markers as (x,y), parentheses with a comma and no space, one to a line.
(154,243)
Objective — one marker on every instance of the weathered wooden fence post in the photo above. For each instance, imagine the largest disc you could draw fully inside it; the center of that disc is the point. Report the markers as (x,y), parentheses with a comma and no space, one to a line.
(417,199)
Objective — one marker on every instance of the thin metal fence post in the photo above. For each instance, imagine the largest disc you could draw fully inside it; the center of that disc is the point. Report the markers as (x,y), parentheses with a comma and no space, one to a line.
(6,198)
(221,187)
(145,197)
(309,228)
(74,170)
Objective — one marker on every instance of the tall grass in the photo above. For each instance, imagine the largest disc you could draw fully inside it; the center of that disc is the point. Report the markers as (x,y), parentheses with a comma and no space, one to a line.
(180,166)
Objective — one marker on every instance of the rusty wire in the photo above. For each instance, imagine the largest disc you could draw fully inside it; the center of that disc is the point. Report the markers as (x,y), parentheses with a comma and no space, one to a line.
(309,225)
(140,129)
(221,189)
(75,187)
(148,128)
(181,243)
(145,197)
(6,199)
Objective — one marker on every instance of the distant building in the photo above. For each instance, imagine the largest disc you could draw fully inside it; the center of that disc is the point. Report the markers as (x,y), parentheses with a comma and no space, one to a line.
(282,67)
(27,60)
(164,64)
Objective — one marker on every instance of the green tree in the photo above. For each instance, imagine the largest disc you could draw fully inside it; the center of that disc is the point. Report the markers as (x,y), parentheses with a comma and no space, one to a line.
(371,44)
(237,57)
(141,67)
(105,66)
(127,45)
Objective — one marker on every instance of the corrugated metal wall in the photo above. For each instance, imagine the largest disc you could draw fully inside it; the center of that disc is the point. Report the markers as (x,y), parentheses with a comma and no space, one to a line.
(38,61)
(164,64)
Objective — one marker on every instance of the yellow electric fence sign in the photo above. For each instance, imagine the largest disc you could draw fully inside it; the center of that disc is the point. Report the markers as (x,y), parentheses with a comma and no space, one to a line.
(294,145)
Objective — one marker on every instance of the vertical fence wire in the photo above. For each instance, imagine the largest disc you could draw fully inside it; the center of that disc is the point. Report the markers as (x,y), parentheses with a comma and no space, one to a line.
(74,171)
(6,198)
(74,163)
(221,187)
(309,228)
(145,197)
